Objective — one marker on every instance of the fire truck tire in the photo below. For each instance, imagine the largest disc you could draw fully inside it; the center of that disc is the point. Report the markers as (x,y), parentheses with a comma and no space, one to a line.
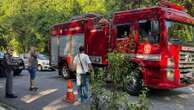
(64,72)
(134,82)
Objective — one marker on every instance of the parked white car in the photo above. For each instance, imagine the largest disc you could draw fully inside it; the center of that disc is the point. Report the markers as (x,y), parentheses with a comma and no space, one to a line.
(43,61)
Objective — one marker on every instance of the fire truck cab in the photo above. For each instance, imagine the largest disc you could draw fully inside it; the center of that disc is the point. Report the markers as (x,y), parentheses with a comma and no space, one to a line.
(159,40)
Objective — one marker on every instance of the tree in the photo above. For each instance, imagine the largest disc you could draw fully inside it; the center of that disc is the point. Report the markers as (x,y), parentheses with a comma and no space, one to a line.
(27,22)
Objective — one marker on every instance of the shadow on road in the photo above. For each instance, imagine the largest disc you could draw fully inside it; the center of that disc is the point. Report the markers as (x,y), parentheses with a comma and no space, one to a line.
(173,92)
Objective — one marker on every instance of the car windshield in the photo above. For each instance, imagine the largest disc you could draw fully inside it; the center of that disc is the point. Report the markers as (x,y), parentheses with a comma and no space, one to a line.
(42,57)
(180,33)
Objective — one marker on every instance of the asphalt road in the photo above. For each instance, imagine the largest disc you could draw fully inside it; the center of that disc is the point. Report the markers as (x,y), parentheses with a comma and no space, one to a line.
(49,97)
(52,89)
(177,99)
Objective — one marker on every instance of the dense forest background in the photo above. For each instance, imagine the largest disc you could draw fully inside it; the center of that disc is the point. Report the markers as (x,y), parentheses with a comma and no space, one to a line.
(27,22)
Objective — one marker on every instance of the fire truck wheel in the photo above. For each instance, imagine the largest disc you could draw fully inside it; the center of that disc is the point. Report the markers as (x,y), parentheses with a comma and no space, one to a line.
(64,72)
(134,82)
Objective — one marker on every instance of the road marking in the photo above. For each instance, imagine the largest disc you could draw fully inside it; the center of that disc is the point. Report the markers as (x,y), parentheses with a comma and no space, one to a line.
(31,98)
(56,105)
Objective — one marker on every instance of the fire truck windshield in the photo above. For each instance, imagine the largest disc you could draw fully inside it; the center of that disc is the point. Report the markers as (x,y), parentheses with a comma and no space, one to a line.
(180,33)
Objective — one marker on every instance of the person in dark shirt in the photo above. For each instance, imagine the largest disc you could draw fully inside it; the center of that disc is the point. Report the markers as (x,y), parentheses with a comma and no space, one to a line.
(9,73)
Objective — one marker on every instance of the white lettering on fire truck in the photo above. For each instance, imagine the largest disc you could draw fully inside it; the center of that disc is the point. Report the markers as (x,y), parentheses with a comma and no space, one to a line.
(150,57)
(188,48)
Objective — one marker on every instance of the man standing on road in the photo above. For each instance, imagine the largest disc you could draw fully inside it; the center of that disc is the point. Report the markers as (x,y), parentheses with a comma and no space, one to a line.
(32,68)
(82,65)
(8,65)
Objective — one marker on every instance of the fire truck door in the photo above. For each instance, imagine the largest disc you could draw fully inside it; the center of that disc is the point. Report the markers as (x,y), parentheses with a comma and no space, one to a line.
(149,36)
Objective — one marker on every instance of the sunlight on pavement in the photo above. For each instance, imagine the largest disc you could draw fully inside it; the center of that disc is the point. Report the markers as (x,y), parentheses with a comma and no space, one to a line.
(31,98)
(185,96)
(56,105)
(180,106)
(167,98)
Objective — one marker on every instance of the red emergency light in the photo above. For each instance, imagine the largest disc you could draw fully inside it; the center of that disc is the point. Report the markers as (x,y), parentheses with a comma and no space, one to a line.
(165,3)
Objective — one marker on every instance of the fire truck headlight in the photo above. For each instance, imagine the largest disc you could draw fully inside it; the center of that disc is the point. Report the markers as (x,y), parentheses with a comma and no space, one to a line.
(170,62)
(96,59)
(170,74)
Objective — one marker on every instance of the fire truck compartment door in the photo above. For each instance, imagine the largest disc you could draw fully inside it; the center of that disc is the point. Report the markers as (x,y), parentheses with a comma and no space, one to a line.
(77,41)
(69,44)
(54,51)
(64,46)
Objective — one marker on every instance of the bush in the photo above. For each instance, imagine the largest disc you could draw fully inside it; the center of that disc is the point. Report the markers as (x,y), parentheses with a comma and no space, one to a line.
(109,96)
(104,98)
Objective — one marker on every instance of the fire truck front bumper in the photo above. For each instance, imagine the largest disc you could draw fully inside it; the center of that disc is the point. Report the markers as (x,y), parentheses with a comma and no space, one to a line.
(168,79)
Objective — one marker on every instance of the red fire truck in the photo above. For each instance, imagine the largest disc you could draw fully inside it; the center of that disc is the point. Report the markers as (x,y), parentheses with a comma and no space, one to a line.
(159,41)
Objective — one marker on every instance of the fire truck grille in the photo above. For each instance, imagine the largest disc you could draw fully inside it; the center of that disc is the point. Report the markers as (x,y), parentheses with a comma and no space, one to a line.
(186,64)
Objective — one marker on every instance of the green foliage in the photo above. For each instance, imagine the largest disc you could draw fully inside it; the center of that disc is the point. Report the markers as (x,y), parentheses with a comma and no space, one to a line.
(117,68)
(183,32)
(110,96)
(104,98)
(28,21)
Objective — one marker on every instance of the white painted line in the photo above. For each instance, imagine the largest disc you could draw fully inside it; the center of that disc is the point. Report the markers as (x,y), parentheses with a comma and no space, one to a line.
(56,105)
(31,98)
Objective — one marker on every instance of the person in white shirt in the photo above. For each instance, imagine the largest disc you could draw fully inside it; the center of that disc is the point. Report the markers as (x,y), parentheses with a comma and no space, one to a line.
(82,65)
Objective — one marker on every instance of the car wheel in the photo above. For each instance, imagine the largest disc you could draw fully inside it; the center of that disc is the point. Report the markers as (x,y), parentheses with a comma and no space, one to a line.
(134,82)
(52,69)
(17,72)
(39,68)
(64,72)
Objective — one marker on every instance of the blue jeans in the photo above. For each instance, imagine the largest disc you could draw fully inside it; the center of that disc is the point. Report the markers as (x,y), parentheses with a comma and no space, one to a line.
(83,87)
(32,70)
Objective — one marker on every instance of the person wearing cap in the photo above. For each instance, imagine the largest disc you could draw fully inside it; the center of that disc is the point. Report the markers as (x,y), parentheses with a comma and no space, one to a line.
(8,64)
